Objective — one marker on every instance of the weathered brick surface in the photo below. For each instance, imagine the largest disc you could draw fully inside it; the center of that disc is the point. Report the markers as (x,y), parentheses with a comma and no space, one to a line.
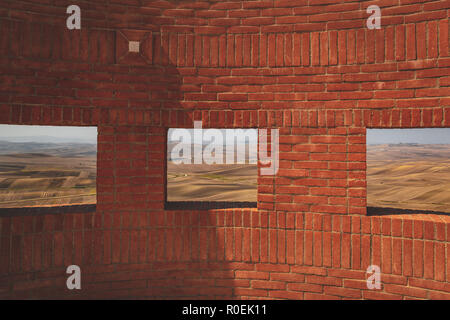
(310,68)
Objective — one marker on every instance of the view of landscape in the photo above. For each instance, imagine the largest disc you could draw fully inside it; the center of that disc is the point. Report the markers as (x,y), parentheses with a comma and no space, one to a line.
(211,182)
(406,169)
(45,166)
(408,175)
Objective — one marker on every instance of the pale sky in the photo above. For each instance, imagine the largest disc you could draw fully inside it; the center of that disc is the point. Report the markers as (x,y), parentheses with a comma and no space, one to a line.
(24,133)
(421,136)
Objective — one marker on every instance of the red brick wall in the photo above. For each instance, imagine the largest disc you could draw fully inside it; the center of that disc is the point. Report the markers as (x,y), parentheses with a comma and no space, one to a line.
(310,68)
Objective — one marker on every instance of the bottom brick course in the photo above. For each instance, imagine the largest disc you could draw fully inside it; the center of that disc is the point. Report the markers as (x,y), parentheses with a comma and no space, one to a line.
(34,261)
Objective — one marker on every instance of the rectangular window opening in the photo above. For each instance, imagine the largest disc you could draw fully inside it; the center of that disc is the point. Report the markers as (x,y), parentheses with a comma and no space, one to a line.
(211,168)
(47,166)
(408,171)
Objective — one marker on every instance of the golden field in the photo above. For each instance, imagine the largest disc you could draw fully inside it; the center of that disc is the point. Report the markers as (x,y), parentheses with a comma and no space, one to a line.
(60,176)
(404,176)
(409,176)
(189,182)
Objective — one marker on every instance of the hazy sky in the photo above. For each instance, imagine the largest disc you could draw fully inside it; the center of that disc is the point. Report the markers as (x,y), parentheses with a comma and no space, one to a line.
(422,136)
(89,134)
(25,133)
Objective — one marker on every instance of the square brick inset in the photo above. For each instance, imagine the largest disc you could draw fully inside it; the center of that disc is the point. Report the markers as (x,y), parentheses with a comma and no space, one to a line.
(133,46)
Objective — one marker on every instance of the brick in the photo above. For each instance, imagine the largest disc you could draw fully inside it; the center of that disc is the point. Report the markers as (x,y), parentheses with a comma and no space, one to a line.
(305,287)
(273,285)
(374,295)
(342,46)
(402,290)
(418,258)
(400,40)
(336,250)
(411,42)
(283,294)
(305,49)
(288,277)
(323,280)
(380,39)
(443,38)
(439,266)
(252,275)
(428,260)
(346,250)
(342,292)
(316,296)
(351,47)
